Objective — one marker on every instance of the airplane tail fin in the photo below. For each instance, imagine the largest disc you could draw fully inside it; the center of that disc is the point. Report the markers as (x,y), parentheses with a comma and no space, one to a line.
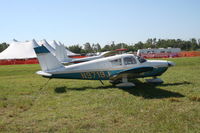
(61,54)
(47,61)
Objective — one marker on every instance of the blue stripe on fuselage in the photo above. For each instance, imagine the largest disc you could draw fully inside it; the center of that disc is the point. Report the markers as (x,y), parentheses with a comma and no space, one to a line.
(95,75)
(105,75)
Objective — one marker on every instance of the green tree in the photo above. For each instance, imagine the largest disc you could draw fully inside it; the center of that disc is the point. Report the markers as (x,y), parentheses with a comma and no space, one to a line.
(106,48)
(194,44)
(3,46)
(88,48)
(96,47)
(75,48)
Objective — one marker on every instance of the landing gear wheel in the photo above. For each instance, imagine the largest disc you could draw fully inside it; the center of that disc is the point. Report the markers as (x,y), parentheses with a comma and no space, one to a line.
(125,85)
(122,83)
(154,80)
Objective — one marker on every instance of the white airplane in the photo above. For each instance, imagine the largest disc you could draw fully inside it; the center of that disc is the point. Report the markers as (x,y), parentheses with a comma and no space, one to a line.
(62,56)
(118,69)
(78,60)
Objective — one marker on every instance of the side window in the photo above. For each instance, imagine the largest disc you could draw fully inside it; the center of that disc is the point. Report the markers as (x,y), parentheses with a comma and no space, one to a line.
(116,62)
(129,61)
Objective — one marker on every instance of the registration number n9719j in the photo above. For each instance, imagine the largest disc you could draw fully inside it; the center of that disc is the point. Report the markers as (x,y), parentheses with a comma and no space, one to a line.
(95,75)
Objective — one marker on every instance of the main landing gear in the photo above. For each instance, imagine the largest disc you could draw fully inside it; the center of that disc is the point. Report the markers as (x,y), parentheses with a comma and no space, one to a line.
(124,83)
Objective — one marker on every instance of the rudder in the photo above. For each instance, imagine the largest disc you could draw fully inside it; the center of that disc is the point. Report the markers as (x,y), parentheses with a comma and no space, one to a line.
(47,61)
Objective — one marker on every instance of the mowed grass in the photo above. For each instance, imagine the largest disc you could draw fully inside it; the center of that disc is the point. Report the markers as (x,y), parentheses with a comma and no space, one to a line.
(88,106)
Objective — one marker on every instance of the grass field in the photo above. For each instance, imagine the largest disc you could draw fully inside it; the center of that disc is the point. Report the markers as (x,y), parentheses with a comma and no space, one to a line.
(88,106)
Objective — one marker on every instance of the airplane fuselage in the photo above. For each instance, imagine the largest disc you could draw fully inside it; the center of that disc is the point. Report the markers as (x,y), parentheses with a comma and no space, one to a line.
(103,69)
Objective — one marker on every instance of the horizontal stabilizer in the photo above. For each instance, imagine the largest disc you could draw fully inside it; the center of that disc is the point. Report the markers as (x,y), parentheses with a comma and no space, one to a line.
(44,73)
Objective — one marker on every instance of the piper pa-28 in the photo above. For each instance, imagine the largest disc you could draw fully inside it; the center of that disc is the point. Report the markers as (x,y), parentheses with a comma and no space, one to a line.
(118,69)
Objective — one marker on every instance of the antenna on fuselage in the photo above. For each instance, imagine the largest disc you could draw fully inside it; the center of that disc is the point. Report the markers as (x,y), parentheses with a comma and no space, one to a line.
(101,81)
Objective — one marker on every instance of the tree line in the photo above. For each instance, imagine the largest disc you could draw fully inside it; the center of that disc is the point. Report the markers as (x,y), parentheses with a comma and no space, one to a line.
(185,45)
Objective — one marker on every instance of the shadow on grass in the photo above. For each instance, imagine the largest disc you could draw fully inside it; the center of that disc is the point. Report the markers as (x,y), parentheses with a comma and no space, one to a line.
(152,91)
(64,89)
(145,90)
(60,90)
(174,84)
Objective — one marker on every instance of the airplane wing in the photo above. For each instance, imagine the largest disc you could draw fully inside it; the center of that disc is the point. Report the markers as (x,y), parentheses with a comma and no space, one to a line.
(131,73)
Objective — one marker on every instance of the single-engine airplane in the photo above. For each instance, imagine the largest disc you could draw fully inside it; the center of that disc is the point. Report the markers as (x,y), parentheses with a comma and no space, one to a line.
(118,69)
(62,56)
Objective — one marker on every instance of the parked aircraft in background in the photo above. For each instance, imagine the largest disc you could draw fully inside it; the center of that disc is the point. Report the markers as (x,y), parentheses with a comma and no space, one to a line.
(117,69)
(62,56)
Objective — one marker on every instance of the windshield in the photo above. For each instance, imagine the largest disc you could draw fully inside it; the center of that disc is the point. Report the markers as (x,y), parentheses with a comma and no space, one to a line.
(141,60)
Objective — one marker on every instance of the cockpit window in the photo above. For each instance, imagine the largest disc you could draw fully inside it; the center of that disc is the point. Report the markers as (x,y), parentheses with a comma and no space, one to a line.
(116,62)
(141,60)
(129,60)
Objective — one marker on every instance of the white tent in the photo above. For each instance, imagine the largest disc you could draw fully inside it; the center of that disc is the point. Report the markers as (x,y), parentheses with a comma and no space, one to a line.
(19,50)
(47,45)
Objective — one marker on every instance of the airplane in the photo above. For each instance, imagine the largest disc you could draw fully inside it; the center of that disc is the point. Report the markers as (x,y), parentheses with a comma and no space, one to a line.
(117,69)
(62,56)
(84,59)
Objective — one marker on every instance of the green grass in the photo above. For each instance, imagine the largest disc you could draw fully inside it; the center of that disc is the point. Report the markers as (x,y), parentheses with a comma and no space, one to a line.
(87,106)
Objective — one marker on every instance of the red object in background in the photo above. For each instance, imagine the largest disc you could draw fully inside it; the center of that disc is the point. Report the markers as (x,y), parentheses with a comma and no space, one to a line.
(26,61)
(78,56)
(160,55)
(19,61)
(122,49)
(189,53)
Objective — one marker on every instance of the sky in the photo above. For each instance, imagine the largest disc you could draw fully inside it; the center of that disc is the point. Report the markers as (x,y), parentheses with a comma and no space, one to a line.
(99,21)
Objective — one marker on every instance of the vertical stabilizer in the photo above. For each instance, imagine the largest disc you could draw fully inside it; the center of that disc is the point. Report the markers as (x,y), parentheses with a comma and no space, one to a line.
(48,46)
(61,54)
(47,61)
(34,43)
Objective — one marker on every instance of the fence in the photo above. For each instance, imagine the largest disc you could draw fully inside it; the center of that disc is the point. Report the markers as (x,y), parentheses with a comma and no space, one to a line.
(19,61)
